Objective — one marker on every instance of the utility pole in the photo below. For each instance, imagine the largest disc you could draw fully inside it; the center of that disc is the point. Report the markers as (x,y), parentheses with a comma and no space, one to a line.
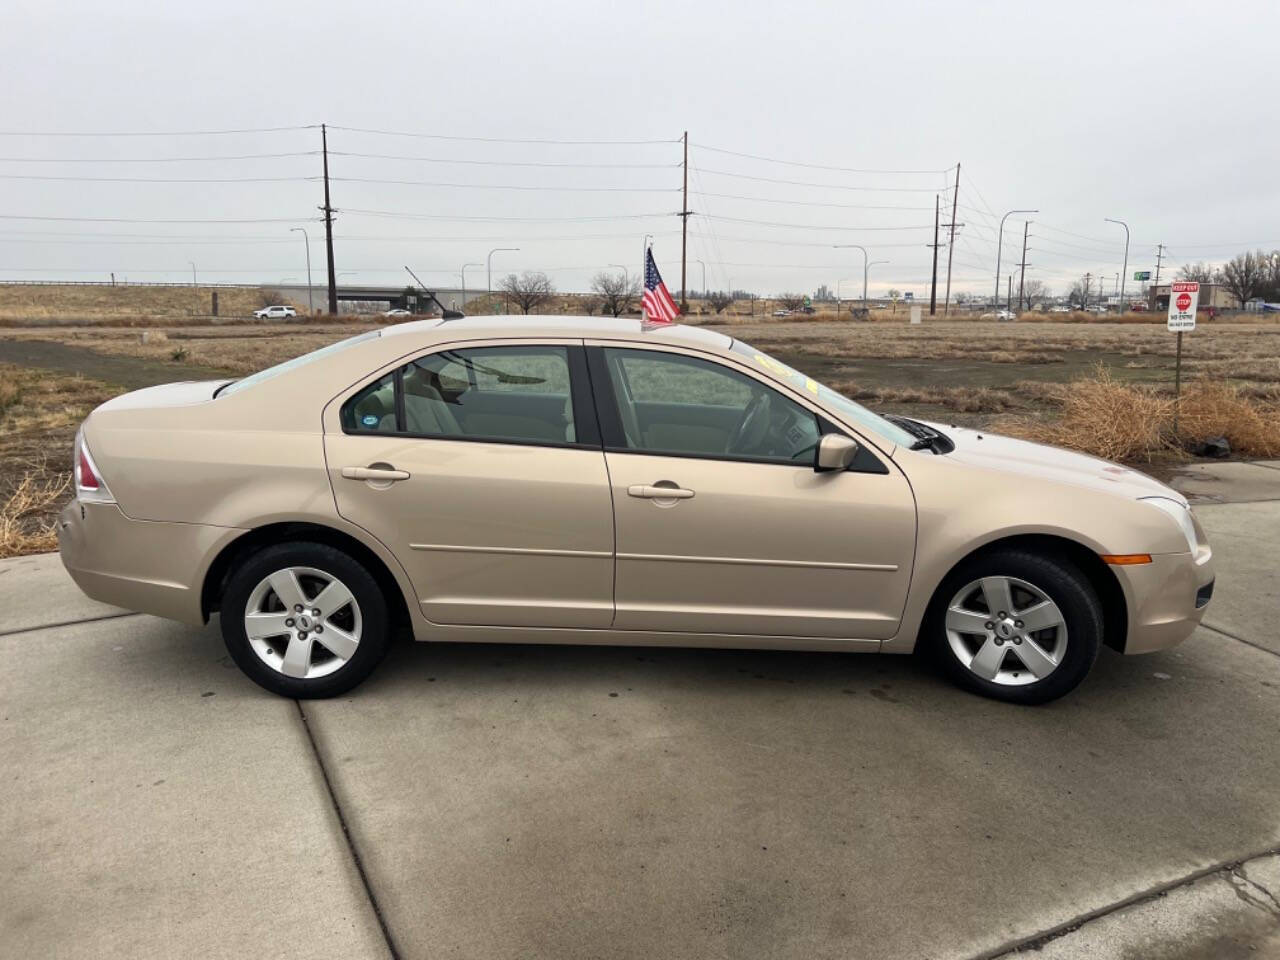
(1159,257)
(951,245)
(933,286)
(684,230)
(328,224)
(1008,300)
(1087,278)
(1022,275)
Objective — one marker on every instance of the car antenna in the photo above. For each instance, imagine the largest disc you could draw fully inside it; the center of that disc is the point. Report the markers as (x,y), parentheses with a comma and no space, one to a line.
(445,312)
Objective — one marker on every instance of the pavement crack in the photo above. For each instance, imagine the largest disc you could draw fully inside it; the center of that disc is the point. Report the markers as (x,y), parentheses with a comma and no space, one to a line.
(346,835)
(1260,897)
(1231,871)
(1239,639)
(68,623)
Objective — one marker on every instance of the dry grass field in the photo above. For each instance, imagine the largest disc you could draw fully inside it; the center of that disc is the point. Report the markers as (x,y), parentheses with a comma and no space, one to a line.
(23,304)
(1103,388)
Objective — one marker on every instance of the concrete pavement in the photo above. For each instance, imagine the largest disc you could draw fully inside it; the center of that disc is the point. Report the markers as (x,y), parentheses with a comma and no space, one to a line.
(593,802)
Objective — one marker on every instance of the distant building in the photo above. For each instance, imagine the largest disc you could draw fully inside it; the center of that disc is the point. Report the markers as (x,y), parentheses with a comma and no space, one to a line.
(1214,297)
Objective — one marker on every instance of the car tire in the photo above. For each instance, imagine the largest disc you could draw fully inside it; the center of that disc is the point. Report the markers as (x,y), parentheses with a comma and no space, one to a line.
(1003,657)
(292,652)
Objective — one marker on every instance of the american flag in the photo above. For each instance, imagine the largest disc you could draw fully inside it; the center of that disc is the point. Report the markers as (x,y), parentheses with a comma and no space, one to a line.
(657,303)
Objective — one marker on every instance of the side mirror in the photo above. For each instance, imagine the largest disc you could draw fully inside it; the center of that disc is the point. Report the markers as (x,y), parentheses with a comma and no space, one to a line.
(835,452)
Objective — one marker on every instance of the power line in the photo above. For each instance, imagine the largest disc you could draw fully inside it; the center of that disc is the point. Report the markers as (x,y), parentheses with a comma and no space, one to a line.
(501,186)
(815,166)
(809,226)
(153,133)
(242,156)
(813,203)
(13,216)
(823,186)
(526,140)
(398,215)
(59,179)
(508,163)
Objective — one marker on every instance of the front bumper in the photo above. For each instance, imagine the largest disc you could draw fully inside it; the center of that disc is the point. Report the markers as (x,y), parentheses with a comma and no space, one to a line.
(144,565)
(1166,598)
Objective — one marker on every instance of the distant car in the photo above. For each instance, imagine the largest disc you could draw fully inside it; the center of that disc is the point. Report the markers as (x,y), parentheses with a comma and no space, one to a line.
(277,312)
(1001,315)
(397,312)
(1060,310)
(782,313)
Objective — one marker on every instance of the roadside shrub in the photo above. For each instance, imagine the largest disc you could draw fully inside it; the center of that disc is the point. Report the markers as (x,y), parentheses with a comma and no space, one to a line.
(25,526)
(1131,422)
(178,354)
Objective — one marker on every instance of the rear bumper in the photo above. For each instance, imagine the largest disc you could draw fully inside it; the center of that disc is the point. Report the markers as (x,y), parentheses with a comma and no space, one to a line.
(1166,598)
(144,565)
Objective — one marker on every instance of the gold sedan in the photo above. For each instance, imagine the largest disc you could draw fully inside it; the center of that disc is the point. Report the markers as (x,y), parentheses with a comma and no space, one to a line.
(568,480)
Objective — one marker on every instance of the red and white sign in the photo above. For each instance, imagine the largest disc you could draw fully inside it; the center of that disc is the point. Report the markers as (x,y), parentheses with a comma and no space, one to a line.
(1184,297)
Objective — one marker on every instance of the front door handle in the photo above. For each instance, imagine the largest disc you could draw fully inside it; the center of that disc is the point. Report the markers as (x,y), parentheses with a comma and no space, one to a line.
(384,474)
(656,491)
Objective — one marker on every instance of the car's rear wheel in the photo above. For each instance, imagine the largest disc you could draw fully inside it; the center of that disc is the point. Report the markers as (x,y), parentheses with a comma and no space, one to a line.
(1016,626)
(304,620)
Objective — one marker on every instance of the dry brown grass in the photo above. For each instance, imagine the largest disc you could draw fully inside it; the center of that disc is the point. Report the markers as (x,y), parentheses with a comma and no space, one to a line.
(39,414)
(42,303)
(28,514)
(1135,422)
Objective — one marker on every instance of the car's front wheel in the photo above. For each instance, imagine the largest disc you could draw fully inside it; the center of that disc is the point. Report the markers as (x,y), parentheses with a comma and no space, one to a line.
(1017,626)
(304,620)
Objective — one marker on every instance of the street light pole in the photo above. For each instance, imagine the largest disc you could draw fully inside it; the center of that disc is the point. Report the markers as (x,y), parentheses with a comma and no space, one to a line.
(865,270)
(311,307)
(195,290)
(626,277)
(995,301)
(858,246)
(1124,274)
(464,281)
(489,261)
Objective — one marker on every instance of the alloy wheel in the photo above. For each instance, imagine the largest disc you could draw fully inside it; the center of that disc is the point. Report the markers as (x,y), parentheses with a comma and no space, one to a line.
(302,622)
(1006,631)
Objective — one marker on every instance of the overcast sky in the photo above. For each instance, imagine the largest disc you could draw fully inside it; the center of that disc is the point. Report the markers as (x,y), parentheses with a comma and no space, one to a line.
(1162,114)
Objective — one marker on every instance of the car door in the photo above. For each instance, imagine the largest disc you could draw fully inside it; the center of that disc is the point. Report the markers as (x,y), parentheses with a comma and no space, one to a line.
(480,467)
(722,524)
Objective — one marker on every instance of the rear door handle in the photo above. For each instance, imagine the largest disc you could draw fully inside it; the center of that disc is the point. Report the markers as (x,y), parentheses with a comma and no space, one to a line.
(385,474)
(648,491)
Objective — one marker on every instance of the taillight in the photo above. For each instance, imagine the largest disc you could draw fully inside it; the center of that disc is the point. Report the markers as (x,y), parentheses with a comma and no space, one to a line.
(89,483)
(88,480)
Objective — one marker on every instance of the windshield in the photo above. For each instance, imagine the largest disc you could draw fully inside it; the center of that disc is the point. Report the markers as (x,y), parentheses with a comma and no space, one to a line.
(855,412)
(288,365)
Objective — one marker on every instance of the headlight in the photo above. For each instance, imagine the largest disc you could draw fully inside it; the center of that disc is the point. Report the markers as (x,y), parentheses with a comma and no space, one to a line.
(1181,516)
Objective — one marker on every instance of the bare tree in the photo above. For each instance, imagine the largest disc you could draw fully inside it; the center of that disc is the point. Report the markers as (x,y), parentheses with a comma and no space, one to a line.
(1078,295)
(528,291)
(719,301)
(1034,292)
(1245,275)
(1271,287)
(617,292)
(1202,272)
(790,301)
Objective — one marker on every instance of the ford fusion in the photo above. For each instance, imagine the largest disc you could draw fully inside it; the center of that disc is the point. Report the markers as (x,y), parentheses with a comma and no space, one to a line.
(564,480)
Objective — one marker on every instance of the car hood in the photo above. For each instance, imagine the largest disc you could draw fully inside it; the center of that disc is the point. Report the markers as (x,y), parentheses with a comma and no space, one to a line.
(166,395)
(991,451)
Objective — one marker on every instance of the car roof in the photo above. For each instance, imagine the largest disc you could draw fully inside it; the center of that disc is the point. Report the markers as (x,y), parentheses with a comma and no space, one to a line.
(599,328)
